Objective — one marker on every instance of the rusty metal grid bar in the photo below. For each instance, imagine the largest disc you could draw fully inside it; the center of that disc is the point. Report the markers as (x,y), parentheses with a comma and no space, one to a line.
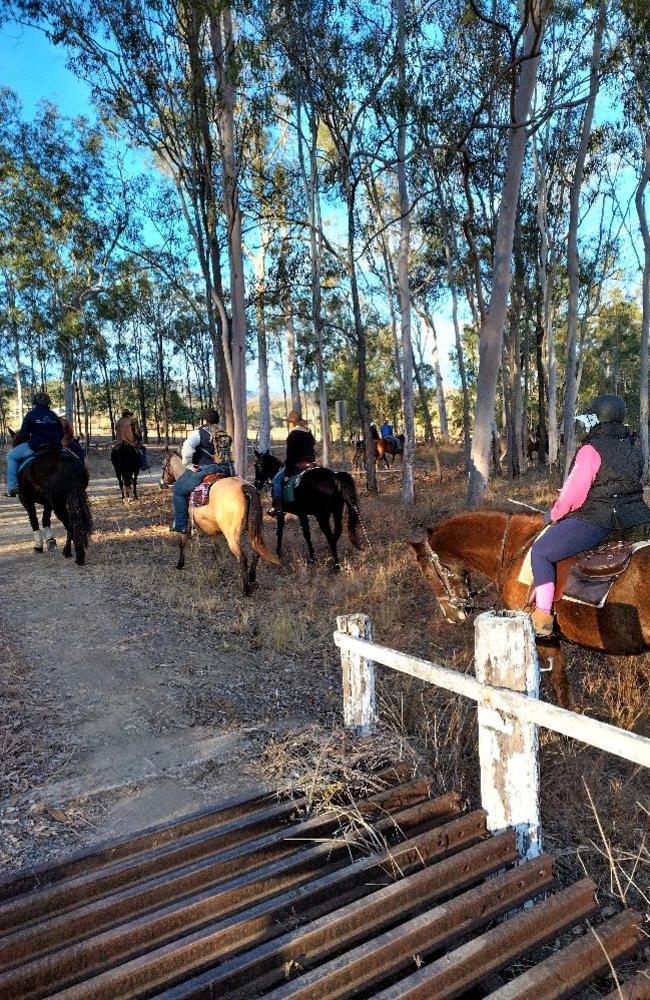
(238,836)
(292,857)
(120,848)
(562,974)
(467,965)
(369,963)
(637,988)
(341,924)
(158,836)
(83,958)
(294,861)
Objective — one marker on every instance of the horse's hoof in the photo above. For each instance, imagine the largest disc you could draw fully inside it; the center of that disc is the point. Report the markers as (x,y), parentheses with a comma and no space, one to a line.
(66,555)
(311,560)
(336,568)
(51,544)
(37,549)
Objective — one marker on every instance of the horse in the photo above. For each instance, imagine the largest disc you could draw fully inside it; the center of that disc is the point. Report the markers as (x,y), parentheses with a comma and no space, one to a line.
(495,543)
(322,494)
(57,481)
(383,447)
(125,459)
(233,505)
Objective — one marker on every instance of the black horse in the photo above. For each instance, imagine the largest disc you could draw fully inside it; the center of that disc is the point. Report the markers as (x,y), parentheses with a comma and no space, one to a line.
(322,494)
(126,462)
(57,481)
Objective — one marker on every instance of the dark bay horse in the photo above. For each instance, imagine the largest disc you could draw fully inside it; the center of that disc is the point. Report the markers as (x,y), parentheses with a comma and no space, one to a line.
(126,462)
(57,481)
(233,507)
(322,494)
(495,543)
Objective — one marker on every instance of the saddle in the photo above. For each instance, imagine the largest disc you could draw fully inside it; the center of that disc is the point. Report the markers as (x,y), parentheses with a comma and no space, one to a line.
(592,576)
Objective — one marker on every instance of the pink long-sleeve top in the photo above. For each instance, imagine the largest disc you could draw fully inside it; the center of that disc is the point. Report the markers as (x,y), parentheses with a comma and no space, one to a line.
(578,483)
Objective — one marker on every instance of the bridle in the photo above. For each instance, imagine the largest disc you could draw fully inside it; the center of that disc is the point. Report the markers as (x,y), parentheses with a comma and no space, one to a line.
(446,575)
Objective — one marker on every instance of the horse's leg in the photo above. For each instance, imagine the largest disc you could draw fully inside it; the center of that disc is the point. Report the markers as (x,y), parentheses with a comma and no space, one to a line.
(306,534)
(324,525)
(280,532)
(135,486)
(550,653)
(120,482)
(50,540)
(30,510)
(252,573)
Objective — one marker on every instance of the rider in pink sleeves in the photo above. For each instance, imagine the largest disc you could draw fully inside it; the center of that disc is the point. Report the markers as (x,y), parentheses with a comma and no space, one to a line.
(602,492)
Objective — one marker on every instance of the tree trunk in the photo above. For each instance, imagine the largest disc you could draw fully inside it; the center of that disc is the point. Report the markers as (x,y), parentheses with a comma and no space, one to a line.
(408,483)
(573,261)
(450,242)
(645,321)
(19,381)
(491,333)
(264,436)
(222,43)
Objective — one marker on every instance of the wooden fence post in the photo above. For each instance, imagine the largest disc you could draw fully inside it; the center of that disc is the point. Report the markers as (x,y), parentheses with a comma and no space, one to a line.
(506,657)
(359,709)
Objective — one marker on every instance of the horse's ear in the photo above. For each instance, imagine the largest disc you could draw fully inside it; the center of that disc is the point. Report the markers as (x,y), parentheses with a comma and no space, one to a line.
(256,452)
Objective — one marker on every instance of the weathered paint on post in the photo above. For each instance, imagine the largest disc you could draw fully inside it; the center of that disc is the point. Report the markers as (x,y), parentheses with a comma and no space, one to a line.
(359,706)
(506,657)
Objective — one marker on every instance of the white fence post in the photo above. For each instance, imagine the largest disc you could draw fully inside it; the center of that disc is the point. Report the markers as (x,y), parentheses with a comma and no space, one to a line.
(506,657)
(359,709)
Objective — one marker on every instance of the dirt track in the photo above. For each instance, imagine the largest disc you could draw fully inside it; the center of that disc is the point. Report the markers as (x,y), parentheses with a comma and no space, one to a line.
(140,717)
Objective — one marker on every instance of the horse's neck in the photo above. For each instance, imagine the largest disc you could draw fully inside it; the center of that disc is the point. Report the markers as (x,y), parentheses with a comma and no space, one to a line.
(475,539)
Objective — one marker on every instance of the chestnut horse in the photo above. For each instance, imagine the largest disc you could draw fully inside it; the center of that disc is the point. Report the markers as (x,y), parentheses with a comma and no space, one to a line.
(233,505)
(495,543)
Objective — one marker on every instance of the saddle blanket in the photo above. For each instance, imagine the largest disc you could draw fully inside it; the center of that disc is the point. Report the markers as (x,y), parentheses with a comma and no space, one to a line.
(291,484)
(201,493)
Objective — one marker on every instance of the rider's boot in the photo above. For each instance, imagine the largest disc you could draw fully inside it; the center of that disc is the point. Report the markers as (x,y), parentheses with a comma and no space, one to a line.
(11,493)
(543,623)
(277,509)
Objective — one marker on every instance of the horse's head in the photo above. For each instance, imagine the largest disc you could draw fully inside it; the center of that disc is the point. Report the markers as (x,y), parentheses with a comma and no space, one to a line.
(168,476)
(450,585)
(266,466)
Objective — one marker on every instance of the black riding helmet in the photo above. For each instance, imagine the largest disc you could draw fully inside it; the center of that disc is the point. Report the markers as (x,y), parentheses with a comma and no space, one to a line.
(608,409)
(209,416)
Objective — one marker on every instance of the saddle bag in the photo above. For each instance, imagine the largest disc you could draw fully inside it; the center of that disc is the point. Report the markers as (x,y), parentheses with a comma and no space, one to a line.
(591,578)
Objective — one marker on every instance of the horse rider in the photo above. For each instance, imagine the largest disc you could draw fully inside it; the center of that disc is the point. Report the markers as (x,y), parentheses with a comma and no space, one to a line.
(205,451)
(128,432)
(388,434)
(70,441)
(301,451)
(602,492)
(40,428)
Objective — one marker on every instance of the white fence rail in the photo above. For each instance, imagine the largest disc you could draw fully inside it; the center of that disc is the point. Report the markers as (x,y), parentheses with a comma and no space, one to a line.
(506,688)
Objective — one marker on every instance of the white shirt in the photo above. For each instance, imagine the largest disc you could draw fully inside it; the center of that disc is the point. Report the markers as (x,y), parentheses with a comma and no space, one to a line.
(190,445)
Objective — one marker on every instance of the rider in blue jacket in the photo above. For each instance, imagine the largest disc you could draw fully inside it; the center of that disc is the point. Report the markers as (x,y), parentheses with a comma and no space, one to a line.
(40,428)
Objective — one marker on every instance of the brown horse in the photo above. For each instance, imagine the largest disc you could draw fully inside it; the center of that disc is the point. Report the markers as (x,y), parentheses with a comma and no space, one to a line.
(495,543)
(233,506)
(383,448)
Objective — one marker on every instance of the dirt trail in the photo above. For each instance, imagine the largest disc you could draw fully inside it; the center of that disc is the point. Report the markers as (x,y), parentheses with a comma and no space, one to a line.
(115,681)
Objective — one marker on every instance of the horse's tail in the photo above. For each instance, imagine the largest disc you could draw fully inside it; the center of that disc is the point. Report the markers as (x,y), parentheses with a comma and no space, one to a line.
(348,491)
(73,484)
(254,522)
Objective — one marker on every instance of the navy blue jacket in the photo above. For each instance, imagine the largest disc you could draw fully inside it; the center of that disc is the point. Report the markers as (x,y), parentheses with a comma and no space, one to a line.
(40,427)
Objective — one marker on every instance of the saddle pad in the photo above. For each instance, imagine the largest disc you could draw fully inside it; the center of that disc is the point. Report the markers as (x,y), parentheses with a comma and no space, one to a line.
(526,571)
(200,495)
(293,482)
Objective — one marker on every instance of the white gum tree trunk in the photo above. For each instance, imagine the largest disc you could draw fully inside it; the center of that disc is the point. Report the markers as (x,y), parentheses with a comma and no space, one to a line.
(492,327)
(573,259)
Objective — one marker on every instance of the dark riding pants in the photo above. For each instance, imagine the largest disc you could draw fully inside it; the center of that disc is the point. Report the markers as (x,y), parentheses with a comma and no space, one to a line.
(561,540)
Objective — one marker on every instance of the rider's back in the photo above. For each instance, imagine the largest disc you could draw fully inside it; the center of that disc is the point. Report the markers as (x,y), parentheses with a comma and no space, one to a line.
(41,428)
